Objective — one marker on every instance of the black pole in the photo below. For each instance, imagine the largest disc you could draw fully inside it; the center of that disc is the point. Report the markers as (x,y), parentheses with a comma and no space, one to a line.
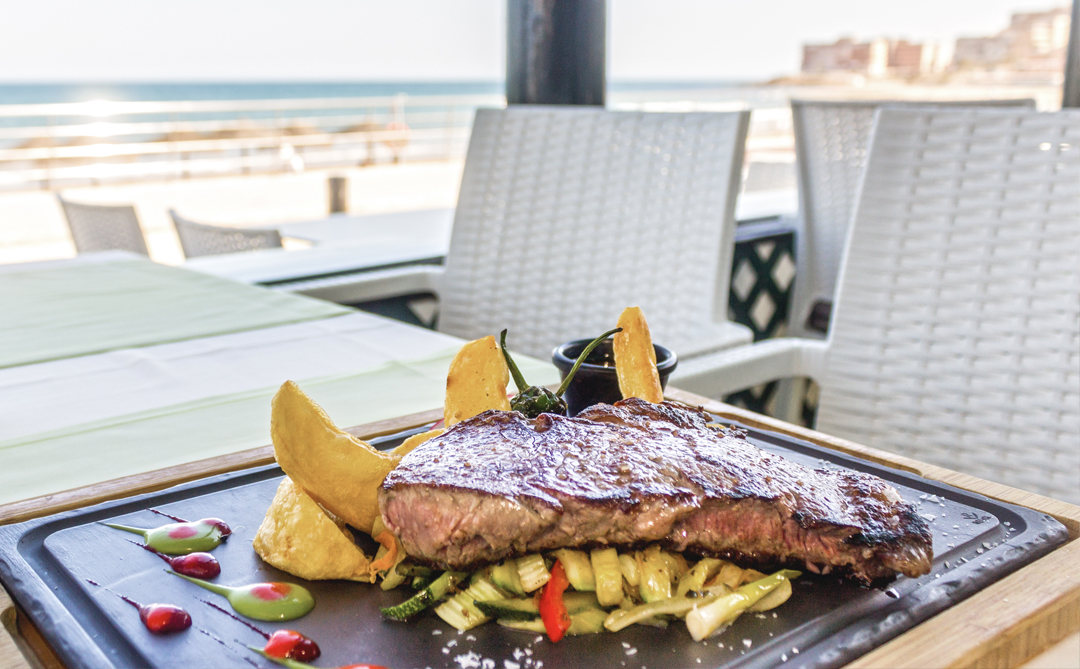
(555,52)
(1070,96)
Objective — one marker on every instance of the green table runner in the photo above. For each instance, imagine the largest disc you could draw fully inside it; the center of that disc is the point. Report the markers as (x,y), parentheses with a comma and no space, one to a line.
(94,452)
(46,314)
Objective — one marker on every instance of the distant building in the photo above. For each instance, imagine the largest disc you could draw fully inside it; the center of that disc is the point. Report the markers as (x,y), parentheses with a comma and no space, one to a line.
(877,58)
(1033,42)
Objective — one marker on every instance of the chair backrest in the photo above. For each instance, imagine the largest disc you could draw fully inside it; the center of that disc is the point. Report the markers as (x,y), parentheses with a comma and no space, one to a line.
(568,215)
(956,335)
(199,239)
(96,227)
(831,141)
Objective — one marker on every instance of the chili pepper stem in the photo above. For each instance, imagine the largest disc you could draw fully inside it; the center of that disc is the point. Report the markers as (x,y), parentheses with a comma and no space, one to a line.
(581,358)
(519,380)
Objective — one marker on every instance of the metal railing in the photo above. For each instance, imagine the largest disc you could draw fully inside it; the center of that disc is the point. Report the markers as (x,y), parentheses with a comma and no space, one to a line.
(69,144)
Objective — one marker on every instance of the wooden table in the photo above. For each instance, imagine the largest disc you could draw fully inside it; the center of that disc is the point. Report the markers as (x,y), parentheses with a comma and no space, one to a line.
(1004,625)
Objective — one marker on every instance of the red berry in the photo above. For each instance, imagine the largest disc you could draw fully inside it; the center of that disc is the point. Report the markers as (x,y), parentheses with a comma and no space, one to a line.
(292,645)
(218,523)
(198,565)
(164,618)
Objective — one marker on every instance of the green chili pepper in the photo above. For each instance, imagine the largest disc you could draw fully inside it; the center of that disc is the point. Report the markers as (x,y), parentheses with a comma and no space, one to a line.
(535,400)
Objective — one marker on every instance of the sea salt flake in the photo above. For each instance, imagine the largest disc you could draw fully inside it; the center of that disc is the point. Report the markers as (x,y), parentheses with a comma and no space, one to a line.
(445,651)
(528,651)
(747,642)
(507,664)
(632,651)
(625,645)
(538,639)
(488,663)
(795,650)
(783,657)
(518,654)
(470,638)
(933,498)
(451,643)
(436,632)
(928,516)
(468,661)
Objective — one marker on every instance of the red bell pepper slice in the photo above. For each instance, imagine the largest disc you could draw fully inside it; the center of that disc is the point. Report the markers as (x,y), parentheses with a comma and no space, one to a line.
(552,608)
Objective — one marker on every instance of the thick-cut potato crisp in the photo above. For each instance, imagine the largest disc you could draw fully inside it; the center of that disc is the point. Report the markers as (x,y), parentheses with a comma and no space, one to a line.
(476,381)
(635,358)
(339,471)
(298,537)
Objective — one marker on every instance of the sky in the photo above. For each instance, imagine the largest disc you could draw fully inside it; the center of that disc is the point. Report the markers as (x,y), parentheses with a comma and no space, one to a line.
(436,40)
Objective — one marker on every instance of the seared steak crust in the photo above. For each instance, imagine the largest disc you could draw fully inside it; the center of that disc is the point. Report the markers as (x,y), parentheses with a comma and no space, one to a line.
(500,485)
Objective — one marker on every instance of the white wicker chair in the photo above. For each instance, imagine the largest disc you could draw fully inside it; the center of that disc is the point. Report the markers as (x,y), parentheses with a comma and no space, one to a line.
(831,141)
(568,215)
(956,334)
(199,239)
(96,227)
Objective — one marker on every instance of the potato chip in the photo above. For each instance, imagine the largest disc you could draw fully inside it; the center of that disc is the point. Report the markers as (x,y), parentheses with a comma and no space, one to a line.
(412,442)
(635,358)
(339,471)
(476,381)
(298,537)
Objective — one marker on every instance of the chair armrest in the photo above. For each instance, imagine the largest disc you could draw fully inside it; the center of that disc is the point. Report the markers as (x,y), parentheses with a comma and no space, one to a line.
(367,286)
(719,374)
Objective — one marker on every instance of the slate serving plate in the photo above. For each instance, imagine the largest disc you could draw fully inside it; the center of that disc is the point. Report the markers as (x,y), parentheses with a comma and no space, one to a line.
(67,572)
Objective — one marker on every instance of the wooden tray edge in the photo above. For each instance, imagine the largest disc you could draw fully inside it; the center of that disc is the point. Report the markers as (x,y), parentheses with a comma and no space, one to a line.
(1003,625)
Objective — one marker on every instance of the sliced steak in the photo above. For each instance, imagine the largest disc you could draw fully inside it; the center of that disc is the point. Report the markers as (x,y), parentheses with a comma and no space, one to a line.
(500,485)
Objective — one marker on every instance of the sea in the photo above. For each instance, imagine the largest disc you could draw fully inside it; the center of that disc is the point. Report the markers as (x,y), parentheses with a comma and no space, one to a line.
(160,92)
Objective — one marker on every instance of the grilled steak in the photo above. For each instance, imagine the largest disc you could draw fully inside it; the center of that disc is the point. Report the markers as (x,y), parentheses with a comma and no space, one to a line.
(500,485)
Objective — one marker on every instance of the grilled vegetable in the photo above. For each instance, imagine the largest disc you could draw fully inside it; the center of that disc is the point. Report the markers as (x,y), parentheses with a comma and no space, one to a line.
(506,576)
(578,569)
(461,612)
(655,575)
(426,597)
(532,571)
(704,620)
(527,609)
(590,621)
(608,576)
(694,580)
(535,400)
(629,568)
(675,606)
(552,608)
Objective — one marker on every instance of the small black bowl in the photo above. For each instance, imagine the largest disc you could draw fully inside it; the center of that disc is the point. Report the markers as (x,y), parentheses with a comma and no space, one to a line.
(596,381)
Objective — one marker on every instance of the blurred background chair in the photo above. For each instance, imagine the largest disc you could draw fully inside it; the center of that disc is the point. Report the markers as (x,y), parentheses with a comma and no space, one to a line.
(567,215)
(831,142)
(96,227)
(199,239)
(956,334)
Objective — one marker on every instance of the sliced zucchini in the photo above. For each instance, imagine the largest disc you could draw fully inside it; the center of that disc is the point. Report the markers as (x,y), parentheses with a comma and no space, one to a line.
(510,609)
(590,621)
(426,597)
(694,580)
(629,569)
(533,572)
(578,569)
(655,575)
(506,576)
(608,576)
(460,611)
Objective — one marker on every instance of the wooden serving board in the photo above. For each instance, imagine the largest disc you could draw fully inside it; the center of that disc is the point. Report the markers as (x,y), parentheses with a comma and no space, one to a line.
(1001,626)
